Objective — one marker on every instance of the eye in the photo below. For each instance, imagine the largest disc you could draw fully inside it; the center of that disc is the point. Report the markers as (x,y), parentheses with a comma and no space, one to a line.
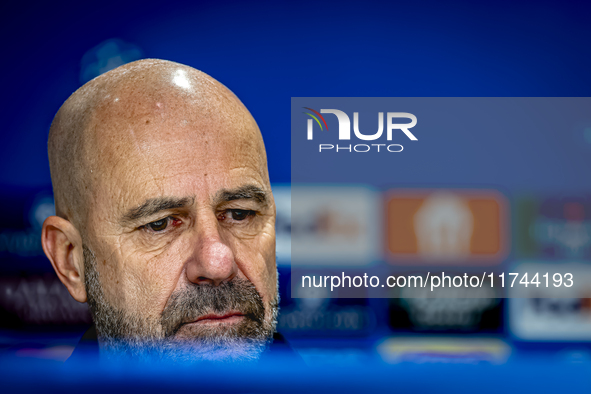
(240,214)
(159,225)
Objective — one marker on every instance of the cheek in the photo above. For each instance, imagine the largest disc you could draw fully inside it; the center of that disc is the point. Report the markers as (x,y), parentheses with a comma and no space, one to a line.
(148,279)
(255,258)
(112,275)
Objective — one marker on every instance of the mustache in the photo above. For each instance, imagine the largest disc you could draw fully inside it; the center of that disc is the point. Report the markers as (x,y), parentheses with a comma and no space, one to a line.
(193,301)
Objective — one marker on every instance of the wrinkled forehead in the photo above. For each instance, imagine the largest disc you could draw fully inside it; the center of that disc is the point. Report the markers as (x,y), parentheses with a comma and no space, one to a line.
(145,143)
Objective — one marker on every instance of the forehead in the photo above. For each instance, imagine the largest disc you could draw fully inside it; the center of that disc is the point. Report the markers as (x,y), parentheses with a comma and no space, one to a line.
(171,145)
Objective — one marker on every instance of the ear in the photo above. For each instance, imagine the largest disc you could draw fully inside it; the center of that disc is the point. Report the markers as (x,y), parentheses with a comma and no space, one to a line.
(62,244)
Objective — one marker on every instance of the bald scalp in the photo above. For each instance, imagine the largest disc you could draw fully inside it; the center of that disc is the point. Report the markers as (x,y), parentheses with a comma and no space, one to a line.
(104,112)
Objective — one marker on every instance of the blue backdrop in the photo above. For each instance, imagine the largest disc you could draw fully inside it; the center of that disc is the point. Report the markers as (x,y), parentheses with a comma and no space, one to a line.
(268,52)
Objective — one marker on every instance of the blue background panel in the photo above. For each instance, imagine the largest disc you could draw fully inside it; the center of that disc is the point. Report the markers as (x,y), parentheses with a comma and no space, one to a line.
(268,52)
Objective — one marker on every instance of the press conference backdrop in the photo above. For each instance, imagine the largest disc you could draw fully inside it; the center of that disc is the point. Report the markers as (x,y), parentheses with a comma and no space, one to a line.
(267,53)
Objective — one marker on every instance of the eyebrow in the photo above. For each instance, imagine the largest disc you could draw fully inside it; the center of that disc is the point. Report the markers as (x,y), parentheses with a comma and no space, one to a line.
(246,192)
(154,205)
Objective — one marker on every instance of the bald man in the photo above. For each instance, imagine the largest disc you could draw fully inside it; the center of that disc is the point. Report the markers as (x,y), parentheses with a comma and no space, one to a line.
(165,221)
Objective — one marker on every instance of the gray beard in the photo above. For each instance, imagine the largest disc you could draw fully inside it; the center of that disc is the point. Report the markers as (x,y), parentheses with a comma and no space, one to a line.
(124,335)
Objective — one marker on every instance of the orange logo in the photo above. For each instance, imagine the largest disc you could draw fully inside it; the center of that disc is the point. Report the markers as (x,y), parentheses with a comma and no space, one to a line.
(446,226)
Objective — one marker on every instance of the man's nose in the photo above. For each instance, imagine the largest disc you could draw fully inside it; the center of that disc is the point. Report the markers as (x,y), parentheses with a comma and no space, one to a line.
(212,261)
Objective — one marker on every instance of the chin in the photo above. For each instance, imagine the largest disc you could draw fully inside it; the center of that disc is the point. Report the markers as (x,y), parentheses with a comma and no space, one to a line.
(219,349)
(186,350)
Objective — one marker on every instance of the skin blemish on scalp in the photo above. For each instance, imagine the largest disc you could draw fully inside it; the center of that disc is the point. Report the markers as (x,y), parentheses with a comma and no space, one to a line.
(147,121)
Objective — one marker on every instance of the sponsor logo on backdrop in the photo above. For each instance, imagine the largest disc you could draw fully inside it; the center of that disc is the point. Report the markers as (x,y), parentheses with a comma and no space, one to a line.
(446,309)
(444,350)
(282,197)
(369,141)
(26,242)
(37,300)
(106,56)
(446,226)
(318,315)
(556,228)
(334,225)
(550,313)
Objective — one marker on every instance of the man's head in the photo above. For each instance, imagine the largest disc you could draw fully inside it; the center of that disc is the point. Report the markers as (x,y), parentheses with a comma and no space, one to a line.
(165,217)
